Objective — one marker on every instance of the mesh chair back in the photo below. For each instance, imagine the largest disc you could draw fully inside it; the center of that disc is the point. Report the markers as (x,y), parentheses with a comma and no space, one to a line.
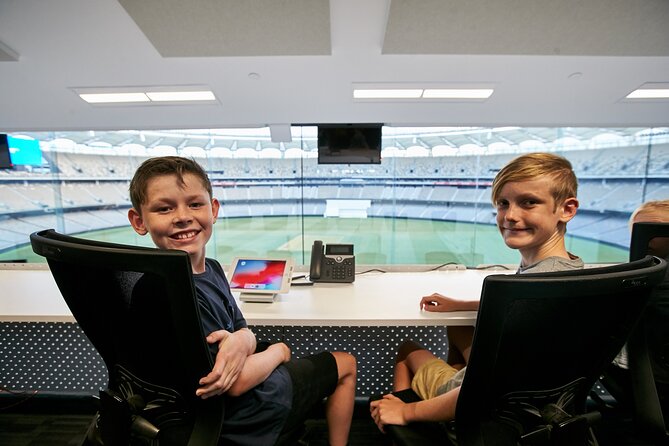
(99,280)
(541,340)
(648,347)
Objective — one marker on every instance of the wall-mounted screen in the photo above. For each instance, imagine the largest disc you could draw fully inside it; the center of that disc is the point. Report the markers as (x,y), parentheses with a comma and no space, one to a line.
(24,152)
(349,143)
(5,160)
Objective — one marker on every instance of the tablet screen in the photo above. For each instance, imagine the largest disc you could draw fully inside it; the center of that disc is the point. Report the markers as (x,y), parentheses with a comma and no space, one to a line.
(260,275)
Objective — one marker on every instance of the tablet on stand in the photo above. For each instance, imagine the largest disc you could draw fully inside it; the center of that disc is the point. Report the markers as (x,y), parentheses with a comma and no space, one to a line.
(260,279)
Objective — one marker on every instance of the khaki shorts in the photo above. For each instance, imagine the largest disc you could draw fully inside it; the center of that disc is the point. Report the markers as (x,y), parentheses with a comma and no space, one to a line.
(430,377)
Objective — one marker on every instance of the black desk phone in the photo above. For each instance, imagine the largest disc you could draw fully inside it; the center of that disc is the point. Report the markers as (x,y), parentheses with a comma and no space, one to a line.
(332,263)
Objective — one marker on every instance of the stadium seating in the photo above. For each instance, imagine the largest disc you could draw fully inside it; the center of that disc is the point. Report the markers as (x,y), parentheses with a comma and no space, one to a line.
(453,188)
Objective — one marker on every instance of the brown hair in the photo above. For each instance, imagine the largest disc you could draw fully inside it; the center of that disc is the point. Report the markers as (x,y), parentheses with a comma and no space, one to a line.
(531,166)
(164,165)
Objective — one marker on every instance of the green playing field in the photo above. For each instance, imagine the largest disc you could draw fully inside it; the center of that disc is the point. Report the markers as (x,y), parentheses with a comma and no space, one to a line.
(376,241)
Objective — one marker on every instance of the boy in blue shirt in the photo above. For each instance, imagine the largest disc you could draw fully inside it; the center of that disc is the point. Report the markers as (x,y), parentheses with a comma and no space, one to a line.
(268,395)
(535,198)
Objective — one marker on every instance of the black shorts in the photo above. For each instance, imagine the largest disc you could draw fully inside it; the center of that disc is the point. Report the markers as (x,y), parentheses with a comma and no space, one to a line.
(314,378)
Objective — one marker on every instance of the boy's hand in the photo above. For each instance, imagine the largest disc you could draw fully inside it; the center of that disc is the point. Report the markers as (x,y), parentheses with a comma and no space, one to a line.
(233,349)
(389,410)
(440,303)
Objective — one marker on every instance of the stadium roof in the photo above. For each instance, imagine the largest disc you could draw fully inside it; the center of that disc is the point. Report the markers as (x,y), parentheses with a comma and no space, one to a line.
(550,63)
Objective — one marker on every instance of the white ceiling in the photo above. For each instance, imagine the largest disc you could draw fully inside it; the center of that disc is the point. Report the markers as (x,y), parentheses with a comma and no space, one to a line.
(552,63)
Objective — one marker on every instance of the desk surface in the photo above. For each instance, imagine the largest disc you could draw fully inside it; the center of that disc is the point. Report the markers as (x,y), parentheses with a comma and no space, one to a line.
(374,299)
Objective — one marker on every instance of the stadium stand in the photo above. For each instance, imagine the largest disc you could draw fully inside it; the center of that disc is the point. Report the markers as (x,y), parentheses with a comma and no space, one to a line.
(81,192)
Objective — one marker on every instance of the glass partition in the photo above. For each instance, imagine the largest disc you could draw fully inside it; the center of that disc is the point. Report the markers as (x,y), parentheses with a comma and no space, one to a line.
(427,202)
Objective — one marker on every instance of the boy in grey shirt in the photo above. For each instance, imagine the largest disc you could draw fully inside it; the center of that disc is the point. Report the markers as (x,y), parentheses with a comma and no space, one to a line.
(535,198)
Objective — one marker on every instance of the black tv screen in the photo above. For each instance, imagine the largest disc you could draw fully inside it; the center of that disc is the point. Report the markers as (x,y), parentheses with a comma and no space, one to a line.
(5,159)
(349,143)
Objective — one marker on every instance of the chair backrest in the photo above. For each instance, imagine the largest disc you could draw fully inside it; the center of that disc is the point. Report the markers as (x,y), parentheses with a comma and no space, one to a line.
(648,347)
(99,282)
(542,340)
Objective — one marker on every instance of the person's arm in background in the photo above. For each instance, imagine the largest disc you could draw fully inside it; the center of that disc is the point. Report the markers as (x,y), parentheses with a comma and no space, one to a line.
(233,350)
(440,303)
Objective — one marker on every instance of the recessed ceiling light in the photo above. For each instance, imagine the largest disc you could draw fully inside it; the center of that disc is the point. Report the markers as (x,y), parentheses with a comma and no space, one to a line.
(457,93)
(388,93)
(165,96)
(649,93)
(416,91)
(100,98)
(146,95)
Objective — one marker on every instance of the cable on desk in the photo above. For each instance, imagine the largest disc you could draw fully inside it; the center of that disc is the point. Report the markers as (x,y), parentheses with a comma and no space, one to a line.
(371,271)
(436,268)
(492,266)
(442,265)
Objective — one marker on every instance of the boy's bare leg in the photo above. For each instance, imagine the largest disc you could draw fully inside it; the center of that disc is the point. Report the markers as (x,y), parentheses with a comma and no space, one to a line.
(410,357)
(460,340)
(339,407)
(402,376)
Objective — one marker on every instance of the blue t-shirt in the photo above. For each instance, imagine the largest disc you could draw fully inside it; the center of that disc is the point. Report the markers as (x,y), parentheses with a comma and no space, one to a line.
(257,416)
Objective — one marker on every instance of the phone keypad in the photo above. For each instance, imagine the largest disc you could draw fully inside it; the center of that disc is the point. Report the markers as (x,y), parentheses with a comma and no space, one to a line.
(342,269)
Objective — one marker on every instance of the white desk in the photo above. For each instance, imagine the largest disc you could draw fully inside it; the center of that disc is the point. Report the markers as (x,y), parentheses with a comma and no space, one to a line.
(374,299)
(368,318)
(29,293)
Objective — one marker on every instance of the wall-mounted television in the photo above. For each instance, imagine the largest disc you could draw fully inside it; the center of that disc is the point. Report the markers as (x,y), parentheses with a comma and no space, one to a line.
(20,151)
(5,159)
(24,152)
(349,143)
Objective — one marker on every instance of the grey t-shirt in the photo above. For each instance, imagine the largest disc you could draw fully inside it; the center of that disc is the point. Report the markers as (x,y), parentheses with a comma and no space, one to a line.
(551,264)
(546,265)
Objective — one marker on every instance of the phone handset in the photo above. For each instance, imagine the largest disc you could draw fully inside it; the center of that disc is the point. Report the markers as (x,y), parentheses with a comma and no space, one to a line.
(316,260)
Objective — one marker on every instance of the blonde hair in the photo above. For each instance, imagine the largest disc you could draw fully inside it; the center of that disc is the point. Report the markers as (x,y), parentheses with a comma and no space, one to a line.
(533,165)
(657,208)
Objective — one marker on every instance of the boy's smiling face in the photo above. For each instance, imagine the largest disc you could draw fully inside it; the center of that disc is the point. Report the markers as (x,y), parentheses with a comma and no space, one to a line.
(177,216)
(530,221)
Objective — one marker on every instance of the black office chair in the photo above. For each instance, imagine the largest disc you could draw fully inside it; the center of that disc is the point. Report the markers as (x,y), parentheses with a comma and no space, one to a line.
(149,400)
(541,342)
(648,347)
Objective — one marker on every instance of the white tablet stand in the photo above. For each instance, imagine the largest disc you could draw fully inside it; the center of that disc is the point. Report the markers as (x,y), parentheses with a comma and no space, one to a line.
(255,297)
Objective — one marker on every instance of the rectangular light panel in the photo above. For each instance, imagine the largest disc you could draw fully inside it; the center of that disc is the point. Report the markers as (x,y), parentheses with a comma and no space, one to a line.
(113,98)
(396,93)
(166,96)
(649,93)
(150,94)
(418,92)
(457,93)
